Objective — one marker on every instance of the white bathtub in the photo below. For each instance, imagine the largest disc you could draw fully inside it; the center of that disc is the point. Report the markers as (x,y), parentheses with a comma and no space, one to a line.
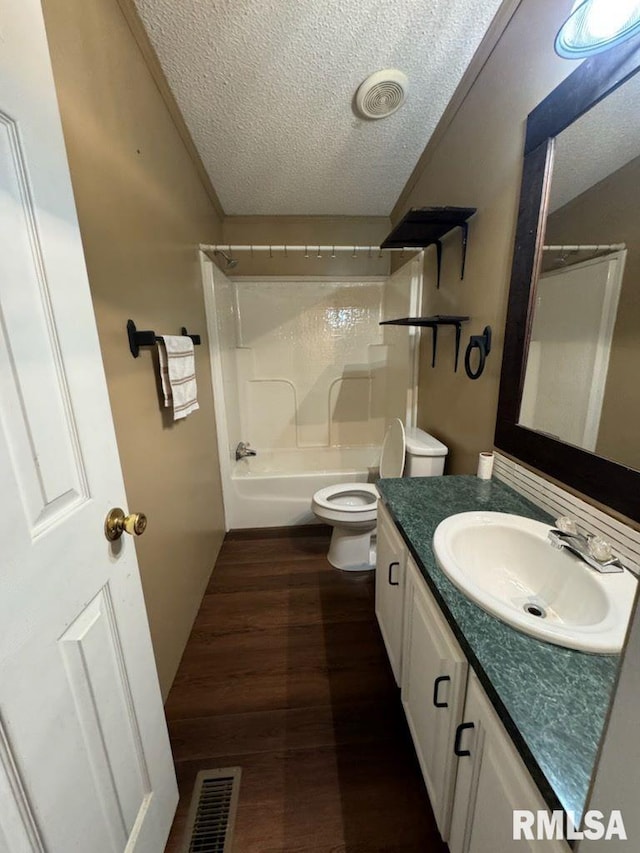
(274,488)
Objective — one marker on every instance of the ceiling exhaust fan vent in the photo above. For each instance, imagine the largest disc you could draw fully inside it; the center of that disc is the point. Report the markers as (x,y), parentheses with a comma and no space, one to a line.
(382,93)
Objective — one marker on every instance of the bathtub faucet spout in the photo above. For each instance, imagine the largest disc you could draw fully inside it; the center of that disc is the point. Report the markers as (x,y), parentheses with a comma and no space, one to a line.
(244,449)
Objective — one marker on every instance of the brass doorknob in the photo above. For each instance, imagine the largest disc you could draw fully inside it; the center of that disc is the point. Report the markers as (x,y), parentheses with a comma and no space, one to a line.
(118,523)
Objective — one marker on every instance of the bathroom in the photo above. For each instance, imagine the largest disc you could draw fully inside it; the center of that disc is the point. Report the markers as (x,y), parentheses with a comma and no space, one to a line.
(145,203)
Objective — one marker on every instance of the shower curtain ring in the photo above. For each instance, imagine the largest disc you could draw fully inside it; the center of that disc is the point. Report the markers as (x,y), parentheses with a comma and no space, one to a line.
(285,251)
(333,253)
(306,251)
(319,255)
(354,252)
(271,251)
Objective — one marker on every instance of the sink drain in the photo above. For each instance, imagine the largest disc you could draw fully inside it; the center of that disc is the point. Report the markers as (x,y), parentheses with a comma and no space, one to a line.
(535,610)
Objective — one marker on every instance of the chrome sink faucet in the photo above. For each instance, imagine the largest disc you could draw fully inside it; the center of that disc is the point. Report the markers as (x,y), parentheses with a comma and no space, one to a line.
(244,449)
(593,550)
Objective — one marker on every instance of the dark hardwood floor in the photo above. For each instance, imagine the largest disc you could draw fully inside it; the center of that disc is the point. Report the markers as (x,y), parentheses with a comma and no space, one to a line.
(286,675)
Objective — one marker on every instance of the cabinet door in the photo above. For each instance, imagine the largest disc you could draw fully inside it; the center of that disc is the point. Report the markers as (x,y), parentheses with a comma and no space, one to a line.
(433,685)
(492,781)
(390,573)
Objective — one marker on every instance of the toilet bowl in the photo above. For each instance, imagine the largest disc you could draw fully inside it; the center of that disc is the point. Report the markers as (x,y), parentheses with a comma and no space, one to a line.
(352,508)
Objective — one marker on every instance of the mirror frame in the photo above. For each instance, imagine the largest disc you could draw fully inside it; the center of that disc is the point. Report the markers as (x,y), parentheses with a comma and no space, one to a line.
(605,481)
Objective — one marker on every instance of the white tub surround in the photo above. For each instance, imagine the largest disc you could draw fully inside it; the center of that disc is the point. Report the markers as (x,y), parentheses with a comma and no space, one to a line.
(303,370)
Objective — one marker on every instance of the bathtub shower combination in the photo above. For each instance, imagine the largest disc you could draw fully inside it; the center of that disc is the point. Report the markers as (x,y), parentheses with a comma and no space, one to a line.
(303,372)
(274,488)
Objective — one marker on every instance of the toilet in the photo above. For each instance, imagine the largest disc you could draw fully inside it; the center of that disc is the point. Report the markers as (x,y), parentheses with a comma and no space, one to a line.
(352,508)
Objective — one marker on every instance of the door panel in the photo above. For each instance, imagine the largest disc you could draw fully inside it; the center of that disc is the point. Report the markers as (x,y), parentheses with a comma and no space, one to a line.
(18,830)
(97,676)
(390,574)
(35,407)
(85,762)
(431,653)
(492,782)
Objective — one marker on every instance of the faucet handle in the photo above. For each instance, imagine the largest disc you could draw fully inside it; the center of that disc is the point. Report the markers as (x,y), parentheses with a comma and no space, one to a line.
(599,549)
(566,524)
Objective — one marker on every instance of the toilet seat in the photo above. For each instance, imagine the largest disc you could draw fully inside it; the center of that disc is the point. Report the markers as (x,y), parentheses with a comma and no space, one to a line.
(348,497)
(352,508)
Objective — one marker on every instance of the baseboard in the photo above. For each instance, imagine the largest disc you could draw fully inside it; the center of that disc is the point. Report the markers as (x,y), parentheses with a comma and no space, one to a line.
(289,532)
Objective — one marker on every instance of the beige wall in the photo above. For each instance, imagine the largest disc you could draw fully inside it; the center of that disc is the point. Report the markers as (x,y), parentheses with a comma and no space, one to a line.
(477,162)
(311,230)
(143,210)
(609,213)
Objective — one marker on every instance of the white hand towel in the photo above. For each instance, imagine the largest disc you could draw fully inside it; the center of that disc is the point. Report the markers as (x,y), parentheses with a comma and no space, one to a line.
(178,374)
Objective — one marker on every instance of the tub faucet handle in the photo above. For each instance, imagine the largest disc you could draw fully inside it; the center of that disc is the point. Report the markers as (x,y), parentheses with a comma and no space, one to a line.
(244,449)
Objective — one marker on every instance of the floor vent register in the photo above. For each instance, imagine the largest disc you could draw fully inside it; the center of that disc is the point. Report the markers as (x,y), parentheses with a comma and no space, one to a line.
(212,811)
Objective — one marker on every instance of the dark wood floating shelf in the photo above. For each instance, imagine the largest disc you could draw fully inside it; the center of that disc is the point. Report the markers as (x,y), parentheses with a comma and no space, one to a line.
(434,322)
(426,226)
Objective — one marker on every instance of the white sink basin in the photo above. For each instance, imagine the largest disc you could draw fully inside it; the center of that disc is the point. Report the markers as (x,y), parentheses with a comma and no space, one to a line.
(505,564)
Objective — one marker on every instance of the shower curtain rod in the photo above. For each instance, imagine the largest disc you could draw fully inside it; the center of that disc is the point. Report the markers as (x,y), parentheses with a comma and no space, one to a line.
(309,248)
(612,247)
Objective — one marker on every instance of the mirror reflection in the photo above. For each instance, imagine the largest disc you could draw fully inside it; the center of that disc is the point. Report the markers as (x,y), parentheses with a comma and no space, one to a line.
(581,378)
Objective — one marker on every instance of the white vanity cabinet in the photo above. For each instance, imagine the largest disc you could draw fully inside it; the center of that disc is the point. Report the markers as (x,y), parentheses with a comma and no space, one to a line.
(491,782)
(390,580)
(434,675)
(472,770)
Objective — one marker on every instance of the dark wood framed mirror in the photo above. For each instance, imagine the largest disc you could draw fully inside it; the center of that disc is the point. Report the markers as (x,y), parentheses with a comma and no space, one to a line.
(595,473)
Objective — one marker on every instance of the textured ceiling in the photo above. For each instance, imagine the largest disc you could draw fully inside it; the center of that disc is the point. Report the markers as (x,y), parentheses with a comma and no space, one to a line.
(266,88)
(598,144)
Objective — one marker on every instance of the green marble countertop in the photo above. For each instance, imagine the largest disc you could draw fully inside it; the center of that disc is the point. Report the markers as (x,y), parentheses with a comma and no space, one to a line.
(552,700)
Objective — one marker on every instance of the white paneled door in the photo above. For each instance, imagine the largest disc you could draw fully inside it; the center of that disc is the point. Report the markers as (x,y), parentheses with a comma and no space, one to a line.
(85,763)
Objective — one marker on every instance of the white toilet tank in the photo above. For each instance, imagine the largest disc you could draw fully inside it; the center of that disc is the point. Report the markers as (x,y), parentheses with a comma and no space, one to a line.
(425,455)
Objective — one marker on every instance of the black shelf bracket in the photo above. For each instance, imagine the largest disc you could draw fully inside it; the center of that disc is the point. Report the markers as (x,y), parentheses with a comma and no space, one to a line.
(434,324)
(425,226)
(148,338)
(438,261)
(465,239)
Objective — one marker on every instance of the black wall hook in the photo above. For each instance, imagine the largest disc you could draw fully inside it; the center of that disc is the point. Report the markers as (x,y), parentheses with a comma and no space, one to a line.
(148,338)
(483,344)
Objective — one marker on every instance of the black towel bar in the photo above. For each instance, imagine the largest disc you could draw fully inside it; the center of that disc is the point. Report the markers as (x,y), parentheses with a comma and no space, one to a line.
(148,338)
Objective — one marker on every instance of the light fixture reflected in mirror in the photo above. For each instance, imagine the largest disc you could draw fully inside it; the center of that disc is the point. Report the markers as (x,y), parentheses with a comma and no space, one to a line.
(597,25)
